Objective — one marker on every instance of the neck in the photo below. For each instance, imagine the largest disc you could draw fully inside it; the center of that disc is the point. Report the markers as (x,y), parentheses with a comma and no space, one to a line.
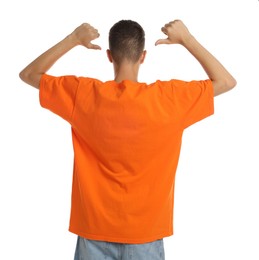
(126,71)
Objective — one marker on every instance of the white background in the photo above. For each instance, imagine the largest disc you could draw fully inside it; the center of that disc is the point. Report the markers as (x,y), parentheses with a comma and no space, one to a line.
(216,198)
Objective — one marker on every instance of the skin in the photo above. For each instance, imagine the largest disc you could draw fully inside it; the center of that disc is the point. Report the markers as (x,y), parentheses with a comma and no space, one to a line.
(176,32)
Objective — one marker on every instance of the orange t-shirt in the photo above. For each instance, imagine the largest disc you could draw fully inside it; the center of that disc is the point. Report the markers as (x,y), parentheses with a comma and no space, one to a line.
(126,139)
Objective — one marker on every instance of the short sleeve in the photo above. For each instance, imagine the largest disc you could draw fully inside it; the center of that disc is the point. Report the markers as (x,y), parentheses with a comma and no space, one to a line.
(194,100)
(58,94)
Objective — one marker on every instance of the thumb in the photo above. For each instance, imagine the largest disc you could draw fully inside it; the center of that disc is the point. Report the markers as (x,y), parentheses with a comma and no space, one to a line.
(93,46)
(162,41)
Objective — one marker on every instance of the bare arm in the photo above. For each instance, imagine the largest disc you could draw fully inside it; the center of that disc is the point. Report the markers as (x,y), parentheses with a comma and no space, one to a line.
(82,35)
(178,33)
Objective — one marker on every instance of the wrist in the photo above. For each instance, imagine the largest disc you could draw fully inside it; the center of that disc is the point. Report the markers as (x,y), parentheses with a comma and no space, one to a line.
(72,40)
(187,41)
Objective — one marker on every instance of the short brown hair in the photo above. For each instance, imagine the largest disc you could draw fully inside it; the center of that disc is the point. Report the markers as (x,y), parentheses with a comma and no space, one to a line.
(126,41)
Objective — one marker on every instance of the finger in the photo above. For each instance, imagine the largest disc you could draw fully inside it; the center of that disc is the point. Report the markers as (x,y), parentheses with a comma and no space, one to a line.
(94,32)
(164,30)
(93,46)
(95,35)
(162,41)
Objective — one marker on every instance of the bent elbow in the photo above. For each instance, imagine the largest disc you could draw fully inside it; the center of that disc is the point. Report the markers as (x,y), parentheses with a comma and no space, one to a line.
(23,76)
(231,83)
(223,86)
(30,78)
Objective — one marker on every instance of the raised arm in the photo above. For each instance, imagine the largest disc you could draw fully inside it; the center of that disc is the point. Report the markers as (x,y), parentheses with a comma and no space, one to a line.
(82,35)
(178,33)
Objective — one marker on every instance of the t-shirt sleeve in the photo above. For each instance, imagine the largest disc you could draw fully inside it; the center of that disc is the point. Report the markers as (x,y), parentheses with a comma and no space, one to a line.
(58,94)
(194,100)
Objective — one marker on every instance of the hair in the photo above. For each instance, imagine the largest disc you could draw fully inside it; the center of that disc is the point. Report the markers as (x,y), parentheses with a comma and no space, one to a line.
(126,41)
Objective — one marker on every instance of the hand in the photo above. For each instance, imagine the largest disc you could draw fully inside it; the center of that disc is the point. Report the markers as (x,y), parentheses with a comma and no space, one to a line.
(176,31)
(84,34)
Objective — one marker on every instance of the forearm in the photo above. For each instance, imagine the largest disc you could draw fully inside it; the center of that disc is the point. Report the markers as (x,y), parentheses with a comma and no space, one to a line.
(33,72)
(221,78)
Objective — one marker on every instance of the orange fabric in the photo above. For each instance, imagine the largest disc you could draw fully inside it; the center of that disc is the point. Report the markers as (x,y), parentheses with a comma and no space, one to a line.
(127,140)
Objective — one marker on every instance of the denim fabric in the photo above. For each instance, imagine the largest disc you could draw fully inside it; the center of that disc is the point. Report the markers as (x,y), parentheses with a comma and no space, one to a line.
(99,250)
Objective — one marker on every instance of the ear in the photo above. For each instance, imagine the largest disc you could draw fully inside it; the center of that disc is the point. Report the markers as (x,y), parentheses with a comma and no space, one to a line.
(142,57)
(109,55)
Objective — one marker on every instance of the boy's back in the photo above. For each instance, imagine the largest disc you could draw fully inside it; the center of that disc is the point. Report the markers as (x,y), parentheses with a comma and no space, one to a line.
(127,139)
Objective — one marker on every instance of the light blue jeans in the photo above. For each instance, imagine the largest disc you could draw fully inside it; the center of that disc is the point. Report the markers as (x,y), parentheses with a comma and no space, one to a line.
(98,250)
